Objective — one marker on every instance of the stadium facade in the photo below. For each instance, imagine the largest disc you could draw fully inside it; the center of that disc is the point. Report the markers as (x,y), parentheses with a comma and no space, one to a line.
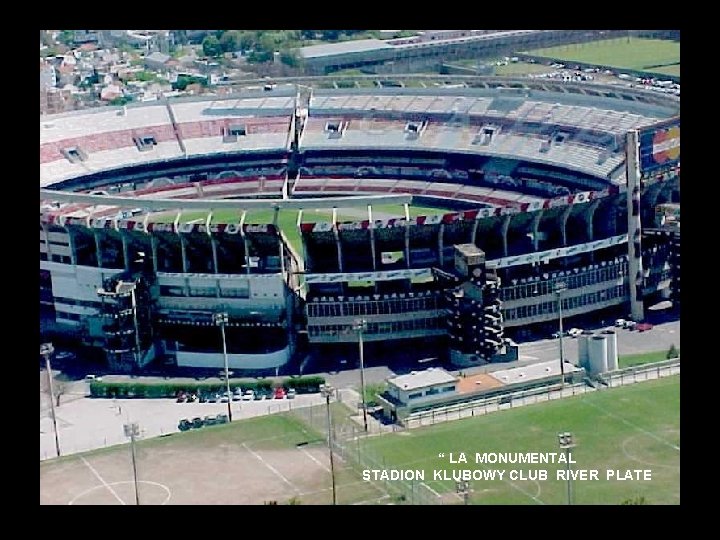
(321,187)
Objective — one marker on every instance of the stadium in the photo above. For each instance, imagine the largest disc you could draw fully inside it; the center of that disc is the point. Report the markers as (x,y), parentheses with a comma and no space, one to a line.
(432,220)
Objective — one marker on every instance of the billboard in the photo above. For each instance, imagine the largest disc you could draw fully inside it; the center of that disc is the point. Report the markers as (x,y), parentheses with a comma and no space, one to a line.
(659,146)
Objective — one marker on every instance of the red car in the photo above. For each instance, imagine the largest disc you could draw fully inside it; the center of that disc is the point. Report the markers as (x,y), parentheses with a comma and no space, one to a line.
(279,393)
(643,327)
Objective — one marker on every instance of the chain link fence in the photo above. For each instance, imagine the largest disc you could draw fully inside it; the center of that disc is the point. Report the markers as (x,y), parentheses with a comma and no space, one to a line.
(511,400)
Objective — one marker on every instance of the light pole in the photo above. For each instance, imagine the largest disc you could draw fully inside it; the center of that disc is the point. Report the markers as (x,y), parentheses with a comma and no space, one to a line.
(132,430)
(327,391)
(361,325)
(47,349)
(221,319)
(560,287)
(566,443)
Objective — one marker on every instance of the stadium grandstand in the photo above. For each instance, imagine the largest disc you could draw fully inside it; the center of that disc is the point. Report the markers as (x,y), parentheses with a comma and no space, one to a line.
(445,217)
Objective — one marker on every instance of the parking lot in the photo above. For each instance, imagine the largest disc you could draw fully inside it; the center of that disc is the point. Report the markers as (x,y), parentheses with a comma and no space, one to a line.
(86,423)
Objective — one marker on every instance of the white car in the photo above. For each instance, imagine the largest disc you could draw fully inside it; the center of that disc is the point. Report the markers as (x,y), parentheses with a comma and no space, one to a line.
(249,395)
(575,332)
(620,323)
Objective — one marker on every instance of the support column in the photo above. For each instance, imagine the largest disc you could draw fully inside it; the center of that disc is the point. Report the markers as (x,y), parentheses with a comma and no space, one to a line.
(372,238)
(154,249)
(337,239)
(505,227)
(589,216)
(563,223)
(71,243)
(213,244)
(98,253)
(634,226)
(246,243)
(441,245)
(126,254)
(46,239)
(535,229)
(407,240)
(183,252)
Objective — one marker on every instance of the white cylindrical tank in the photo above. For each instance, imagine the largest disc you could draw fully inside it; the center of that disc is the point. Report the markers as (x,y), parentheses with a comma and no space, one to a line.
(612,354)
(583,358)
(597,349)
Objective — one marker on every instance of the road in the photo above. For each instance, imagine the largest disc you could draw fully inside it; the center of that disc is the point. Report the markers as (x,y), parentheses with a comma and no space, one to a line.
(86,423)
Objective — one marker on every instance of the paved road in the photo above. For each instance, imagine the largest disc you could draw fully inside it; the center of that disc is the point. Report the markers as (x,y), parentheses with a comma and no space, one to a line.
(86,423)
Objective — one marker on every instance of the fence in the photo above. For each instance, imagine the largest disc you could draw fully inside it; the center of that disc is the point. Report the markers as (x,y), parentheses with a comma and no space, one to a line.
(349,445)
(479,407)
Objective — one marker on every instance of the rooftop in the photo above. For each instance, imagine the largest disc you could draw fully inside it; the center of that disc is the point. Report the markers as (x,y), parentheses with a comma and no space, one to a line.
(532,372)
(344,47)
(422,379)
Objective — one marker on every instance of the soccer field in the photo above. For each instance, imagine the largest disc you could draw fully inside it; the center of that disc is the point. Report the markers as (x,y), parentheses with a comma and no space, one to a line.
(254,461)
(635,427)
(659,55)
(287,218)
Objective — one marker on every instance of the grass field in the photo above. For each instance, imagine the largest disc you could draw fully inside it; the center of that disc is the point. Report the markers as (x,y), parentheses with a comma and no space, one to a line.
(283,457)
(642,358)
(656,55)
(632,427)
(287,219)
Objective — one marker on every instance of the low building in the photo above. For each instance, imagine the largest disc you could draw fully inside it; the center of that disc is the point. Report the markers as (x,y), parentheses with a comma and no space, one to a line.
(157,61)
(417,388)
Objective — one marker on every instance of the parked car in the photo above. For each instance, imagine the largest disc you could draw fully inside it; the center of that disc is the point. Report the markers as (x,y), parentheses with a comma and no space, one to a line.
(260,395)
(279,393)
(556,335)
(237,395)
(198,422)
(202,398)
(620,323)
(181,398)
(291,393)
(212,398)
(575,332)
(185,424)
(249,395)
(93,378)
(643,327)
(192,398)
(630,325)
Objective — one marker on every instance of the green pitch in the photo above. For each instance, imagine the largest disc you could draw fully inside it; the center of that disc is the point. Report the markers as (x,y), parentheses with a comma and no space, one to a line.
(287,219)
(627,428)
(657,55)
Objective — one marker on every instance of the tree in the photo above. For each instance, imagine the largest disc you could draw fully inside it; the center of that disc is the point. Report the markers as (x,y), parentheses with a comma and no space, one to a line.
(211,46)
(61,386)
(673,352)
(230,41)
(290,58)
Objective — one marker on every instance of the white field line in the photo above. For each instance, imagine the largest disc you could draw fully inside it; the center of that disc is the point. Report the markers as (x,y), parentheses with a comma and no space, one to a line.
(272,469)
(634,426)
(308,454)
(97,474)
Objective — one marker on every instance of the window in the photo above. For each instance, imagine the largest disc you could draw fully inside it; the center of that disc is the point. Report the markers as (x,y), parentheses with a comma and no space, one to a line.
(415,395)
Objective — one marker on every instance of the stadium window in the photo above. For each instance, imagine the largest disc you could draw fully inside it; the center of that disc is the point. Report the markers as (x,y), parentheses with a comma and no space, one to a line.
(238,130)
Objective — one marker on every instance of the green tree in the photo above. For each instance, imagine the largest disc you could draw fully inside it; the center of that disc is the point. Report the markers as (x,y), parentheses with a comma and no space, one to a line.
(673,352)
(211,46)
(290,58)
(230,40)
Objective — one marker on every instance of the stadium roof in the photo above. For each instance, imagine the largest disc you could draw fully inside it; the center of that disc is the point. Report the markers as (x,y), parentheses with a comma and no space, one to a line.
(422,379)
(345,47)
